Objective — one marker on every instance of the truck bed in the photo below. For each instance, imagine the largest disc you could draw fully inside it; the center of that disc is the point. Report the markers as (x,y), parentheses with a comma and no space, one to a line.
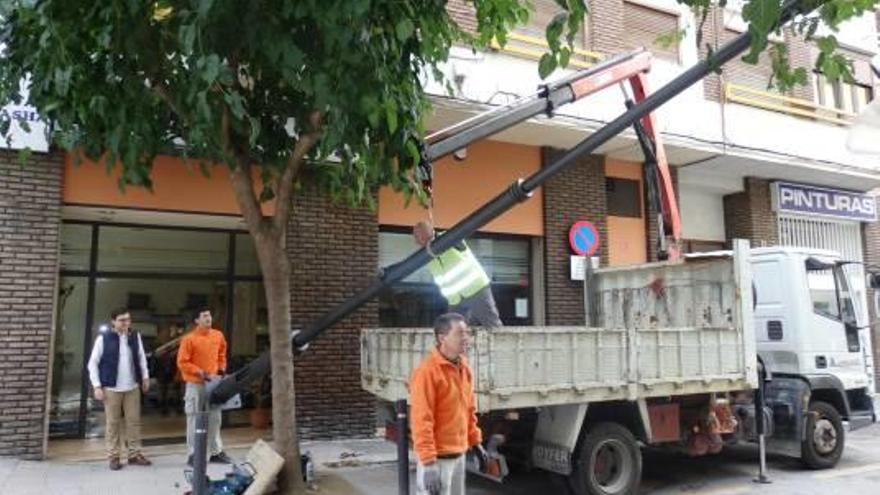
(659,329)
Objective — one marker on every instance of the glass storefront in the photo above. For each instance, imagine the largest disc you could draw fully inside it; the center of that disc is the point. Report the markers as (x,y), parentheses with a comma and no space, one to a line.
(161,275)
(416,301)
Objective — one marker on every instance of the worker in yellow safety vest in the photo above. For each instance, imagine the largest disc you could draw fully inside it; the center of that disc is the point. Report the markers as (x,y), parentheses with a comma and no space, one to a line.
(461,279)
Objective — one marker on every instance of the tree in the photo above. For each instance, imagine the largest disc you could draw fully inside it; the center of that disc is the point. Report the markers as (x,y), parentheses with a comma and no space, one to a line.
(321,92)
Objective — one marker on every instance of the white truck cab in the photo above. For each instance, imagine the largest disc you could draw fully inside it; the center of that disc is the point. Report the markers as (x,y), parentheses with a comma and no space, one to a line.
(807,326)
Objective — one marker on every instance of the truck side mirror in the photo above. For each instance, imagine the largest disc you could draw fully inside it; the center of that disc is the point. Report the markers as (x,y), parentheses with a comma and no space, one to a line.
(874,280)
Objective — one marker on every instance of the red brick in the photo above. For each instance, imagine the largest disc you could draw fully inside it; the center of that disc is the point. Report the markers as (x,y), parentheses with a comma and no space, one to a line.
(28,223)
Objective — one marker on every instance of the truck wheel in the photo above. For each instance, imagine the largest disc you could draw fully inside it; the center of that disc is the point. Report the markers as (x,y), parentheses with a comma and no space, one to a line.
(823,445)
(609,462)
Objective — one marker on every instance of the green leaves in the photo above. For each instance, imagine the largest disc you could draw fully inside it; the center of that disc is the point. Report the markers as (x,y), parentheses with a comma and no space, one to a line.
(762,16)
(546,65)
(670,39)
(831,64)
(205,7)
(784,78)
(404,29)
(560,34)
(231,81)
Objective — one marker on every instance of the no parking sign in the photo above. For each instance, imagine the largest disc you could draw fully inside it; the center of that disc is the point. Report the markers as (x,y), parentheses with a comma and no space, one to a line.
(583,238)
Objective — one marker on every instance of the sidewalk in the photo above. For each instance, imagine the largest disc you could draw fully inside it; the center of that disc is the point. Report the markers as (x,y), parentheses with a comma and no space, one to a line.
(165,476)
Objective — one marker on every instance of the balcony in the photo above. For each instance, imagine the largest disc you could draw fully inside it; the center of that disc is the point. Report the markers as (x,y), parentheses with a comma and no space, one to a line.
(532,48)
(775,102)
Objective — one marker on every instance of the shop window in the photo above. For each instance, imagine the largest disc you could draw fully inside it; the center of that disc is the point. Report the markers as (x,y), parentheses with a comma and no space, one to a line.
(623,197)
(70,356)
(152,250)
(416,301)
(76,244)
(246,262)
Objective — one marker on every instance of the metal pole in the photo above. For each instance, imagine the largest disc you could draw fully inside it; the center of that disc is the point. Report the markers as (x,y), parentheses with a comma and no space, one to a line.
(588,290)
(402,449)
(200,452)
(762,429)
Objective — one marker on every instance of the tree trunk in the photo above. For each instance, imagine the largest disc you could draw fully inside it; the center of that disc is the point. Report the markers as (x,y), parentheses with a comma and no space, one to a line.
(275,265)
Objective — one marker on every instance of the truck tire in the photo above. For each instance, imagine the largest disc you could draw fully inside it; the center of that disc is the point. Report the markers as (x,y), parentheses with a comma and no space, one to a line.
(609,462)
(823,445)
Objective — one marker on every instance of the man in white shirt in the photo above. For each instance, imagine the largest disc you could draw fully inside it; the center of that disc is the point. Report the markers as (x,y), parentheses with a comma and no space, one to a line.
(118,372)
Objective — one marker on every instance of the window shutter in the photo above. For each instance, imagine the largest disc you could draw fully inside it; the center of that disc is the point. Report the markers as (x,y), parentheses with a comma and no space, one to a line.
(738,72)
(540,15)
(643,25)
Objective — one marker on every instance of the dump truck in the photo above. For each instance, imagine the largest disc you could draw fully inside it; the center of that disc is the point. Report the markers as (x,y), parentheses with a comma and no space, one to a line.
(669,358)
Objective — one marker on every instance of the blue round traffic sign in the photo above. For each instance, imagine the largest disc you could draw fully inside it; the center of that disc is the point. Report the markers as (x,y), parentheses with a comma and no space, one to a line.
(583,238)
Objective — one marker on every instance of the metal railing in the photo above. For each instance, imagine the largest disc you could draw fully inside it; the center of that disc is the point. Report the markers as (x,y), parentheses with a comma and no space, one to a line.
(786,104)
(531,47)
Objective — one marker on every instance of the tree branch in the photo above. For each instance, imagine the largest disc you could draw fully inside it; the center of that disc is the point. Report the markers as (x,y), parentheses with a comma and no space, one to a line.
(162,92)
(284,187)
(242,182)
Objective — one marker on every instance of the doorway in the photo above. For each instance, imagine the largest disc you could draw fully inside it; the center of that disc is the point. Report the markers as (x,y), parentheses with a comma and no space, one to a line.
(161,275)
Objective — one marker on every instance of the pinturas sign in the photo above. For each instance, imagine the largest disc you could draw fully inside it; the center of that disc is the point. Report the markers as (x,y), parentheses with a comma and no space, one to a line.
(812,200)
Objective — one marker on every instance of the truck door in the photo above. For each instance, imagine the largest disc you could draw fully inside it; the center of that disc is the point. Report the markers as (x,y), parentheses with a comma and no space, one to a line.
(831,343)
(774,330)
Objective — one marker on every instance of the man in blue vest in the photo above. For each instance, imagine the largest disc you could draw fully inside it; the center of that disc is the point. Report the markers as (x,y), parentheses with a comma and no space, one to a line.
(118,372)
(461,279)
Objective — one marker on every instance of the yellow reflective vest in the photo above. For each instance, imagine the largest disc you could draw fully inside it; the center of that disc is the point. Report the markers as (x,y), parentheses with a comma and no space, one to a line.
(458,274)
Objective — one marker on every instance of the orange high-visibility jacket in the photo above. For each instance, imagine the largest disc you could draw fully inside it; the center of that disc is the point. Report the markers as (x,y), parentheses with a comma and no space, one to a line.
(443,415)
(202,349)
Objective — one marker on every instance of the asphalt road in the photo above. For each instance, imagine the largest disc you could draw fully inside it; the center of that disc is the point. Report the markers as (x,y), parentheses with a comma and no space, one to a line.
(729,473)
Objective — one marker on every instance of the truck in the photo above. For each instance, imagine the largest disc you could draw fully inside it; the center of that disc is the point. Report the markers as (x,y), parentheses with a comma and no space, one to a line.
(671,357)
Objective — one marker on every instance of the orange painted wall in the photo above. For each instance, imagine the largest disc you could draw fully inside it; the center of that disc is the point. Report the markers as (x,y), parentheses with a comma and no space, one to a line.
(460,187)
(627,238)
(177,186)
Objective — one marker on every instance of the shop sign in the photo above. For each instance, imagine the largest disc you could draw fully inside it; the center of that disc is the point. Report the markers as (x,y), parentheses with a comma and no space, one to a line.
(812,200)
(32,135)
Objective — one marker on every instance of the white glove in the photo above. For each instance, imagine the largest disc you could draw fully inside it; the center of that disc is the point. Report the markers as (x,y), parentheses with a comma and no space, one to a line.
(431,479)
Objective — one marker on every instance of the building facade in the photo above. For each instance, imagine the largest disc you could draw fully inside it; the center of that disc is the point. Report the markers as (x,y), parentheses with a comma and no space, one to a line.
(72,246)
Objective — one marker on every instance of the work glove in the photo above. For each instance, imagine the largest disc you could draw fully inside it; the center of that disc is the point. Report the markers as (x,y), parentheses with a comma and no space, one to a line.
(431,479)
(482,456)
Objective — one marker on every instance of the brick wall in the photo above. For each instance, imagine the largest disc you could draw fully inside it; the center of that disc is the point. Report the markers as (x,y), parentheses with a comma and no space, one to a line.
(755,76)
(30,215)
(330,401)
(712,82)
(463,13)
(576,194)
(749,214)
(871,238)
(800,55)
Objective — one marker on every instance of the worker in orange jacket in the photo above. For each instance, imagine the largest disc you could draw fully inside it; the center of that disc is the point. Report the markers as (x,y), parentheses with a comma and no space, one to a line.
(201,359)
(443,415)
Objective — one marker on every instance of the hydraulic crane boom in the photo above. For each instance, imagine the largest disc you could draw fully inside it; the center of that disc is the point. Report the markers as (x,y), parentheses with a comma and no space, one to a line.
(630,67)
